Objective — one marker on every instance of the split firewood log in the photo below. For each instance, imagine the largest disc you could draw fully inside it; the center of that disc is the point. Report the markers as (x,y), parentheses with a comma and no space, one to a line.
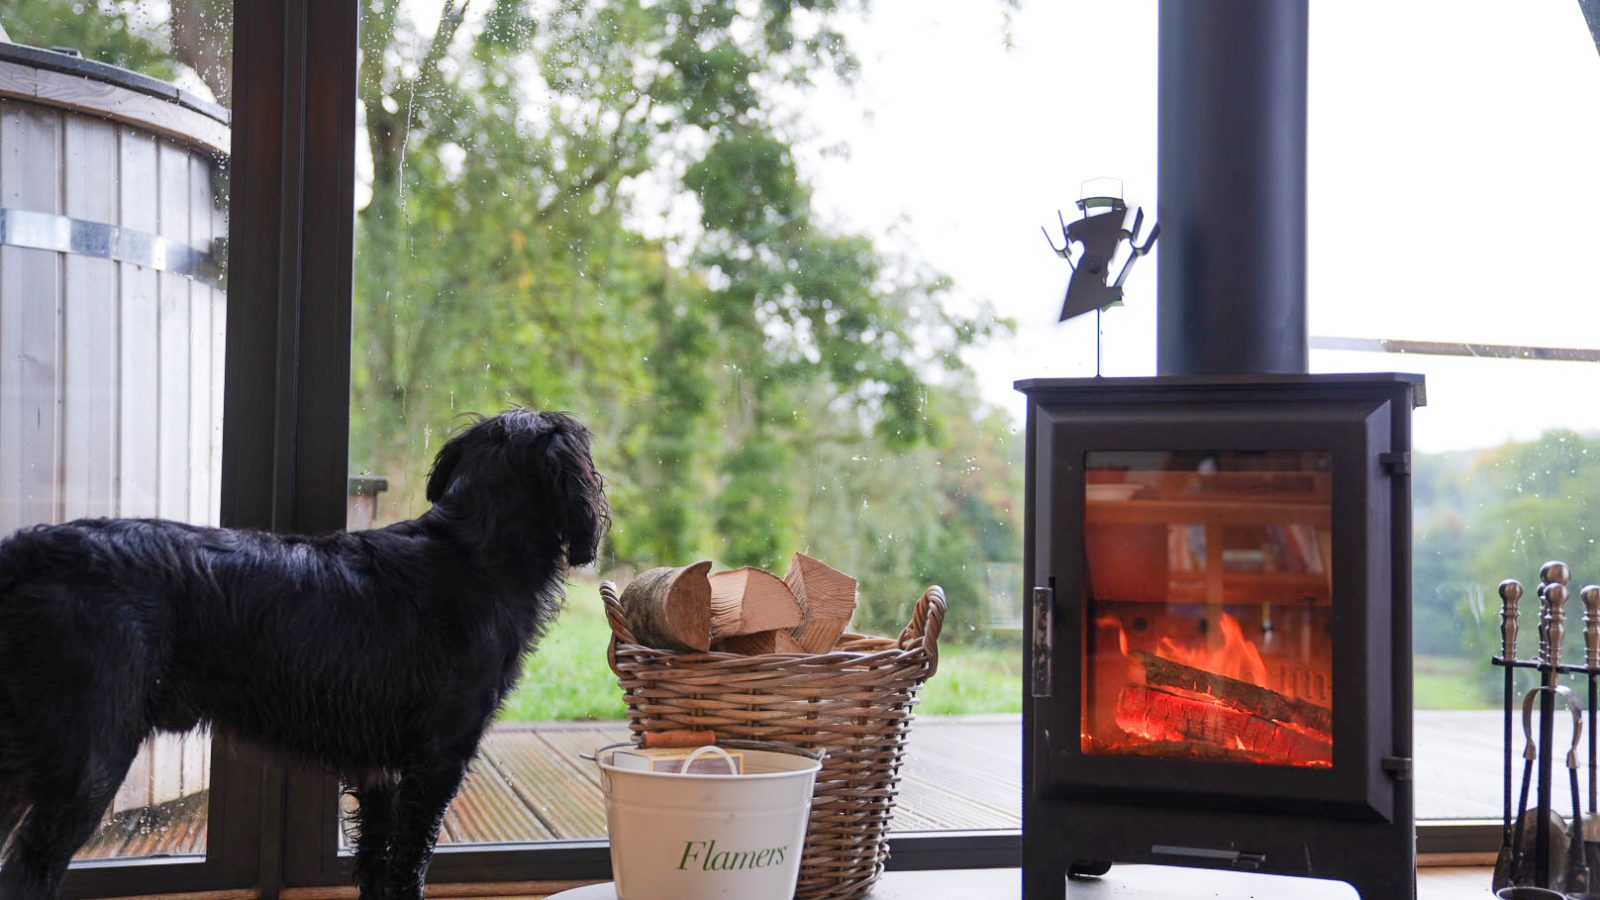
(670,609)
(1251,698)
(828,598)
(761,642)
(751,600)
(1176,715)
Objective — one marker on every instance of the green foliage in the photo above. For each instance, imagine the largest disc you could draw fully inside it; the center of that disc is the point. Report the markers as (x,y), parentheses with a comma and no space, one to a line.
(161,41)
(1494,514)
(732,371)
(759,382)
(102,31)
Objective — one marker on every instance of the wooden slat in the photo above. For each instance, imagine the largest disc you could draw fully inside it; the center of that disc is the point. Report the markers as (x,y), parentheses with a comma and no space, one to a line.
(1458,764)
(114,103)
(89,464)
(139,337)
(558,792)
(30,326)
(172,194)
(219,330)
(488,810)
(200,511)
(196,762)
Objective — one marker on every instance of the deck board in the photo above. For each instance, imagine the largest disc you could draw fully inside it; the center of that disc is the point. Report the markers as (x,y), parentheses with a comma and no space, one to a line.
(530,783)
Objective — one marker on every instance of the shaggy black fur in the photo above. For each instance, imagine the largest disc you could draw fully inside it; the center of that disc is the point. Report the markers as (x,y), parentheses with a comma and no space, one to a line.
(379,654)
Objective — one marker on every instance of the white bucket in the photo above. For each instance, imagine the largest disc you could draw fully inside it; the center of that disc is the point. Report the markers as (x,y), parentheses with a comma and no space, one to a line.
(697,837)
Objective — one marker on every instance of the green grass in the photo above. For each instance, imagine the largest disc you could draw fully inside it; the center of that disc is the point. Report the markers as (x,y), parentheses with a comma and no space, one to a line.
(975,679)
(568,679)
(1449,682)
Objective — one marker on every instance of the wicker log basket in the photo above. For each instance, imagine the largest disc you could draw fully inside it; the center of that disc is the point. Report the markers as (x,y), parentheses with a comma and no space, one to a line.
(855,702)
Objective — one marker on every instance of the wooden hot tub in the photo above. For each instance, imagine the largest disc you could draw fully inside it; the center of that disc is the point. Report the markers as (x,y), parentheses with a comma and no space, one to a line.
(112,227)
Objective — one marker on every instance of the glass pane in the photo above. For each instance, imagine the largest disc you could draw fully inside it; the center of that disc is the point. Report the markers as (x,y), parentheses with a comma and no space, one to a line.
(1505,455)
(112,309)
(1209,619)
(627,211)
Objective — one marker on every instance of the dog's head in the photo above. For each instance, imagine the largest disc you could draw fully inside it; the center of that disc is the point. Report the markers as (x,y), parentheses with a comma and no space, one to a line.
(526,463)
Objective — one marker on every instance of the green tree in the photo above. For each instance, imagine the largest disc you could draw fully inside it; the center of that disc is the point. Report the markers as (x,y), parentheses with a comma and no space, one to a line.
(759,382)
(499,263)
(1494,514)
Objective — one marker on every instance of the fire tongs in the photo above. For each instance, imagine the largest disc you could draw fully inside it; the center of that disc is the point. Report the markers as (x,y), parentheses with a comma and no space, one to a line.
(1536,859)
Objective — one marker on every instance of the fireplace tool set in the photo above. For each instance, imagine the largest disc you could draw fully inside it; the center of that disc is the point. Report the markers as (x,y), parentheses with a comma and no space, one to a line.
(1539,847)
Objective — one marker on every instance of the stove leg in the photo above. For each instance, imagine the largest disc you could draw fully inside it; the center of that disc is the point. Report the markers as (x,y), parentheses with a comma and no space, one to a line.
(1044,881)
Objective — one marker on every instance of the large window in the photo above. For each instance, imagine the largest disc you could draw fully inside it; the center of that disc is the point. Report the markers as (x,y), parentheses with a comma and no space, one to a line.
(1431,125)
(631,213)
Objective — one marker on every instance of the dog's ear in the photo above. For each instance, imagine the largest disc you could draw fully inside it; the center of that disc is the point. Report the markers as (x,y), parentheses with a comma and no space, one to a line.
(578,489)
(449,458)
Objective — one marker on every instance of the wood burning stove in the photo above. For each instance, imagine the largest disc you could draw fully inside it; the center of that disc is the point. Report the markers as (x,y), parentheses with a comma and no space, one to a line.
(1219,670)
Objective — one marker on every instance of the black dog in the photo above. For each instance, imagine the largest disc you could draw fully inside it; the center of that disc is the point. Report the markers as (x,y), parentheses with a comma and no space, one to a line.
(379,654)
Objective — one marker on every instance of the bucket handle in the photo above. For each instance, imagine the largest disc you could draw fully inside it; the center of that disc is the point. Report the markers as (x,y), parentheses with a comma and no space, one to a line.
(927,620)
(733,768)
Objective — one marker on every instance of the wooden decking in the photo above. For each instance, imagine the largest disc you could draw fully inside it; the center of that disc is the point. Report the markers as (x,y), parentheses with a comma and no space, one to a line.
(531,784)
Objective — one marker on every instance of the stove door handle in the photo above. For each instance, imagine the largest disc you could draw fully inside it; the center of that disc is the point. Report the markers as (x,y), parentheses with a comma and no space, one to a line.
(1044,616)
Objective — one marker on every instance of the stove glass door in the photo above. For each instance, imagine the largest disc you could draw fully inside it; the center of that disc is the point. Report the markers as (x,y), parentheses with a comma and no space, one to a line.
(1209,611)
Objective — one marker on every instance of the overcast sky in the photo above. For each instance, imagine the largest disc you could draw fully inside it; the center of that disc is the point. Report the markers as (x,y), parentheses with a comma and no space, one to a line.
(1454,183)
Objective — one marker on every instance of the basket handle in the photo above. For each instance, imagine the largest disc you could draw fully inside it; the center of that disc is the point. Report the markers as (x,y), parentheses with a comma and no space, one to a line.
(620,632)
(927,620)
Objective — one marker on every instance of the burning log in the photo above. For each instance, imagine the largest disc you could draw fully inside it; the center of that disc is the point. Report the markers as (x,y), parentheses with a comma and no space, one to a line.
(1175,750)
(1170,715)
(1241,695)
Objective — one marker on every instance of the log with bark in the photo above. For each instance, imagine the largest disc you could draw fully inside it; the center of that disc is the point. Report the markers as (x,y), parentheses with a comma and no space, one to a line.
(748,601)
(1242,695)
(670,609)
(1170,714)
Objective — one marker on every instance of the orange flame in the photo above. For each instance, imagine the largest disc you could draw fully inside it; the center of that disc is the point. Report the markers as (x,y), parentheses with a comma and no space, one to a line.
(1237,658)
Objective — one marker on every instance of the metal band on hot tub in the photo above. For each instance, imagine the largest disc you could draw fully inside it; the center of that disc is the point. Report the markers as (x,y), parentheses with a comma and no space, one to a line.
(62,234)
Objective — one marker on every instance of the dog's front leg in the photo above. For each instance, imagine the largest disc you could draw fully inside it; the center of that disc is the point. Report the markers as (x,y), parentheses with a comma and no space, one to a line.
(424,794)
(375,815)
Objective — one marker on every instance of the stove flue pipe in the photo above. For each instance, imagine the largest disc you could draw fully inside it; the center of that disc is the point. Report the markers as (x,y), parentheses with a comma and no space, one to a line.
(1231,134)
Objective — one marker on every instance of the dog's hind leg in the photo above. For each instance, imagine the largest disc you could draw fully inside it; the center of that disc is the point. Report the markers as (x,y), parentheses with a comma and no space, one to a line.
(376,796)
(424,794)
(65,810)
(46,840)
(11,813)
